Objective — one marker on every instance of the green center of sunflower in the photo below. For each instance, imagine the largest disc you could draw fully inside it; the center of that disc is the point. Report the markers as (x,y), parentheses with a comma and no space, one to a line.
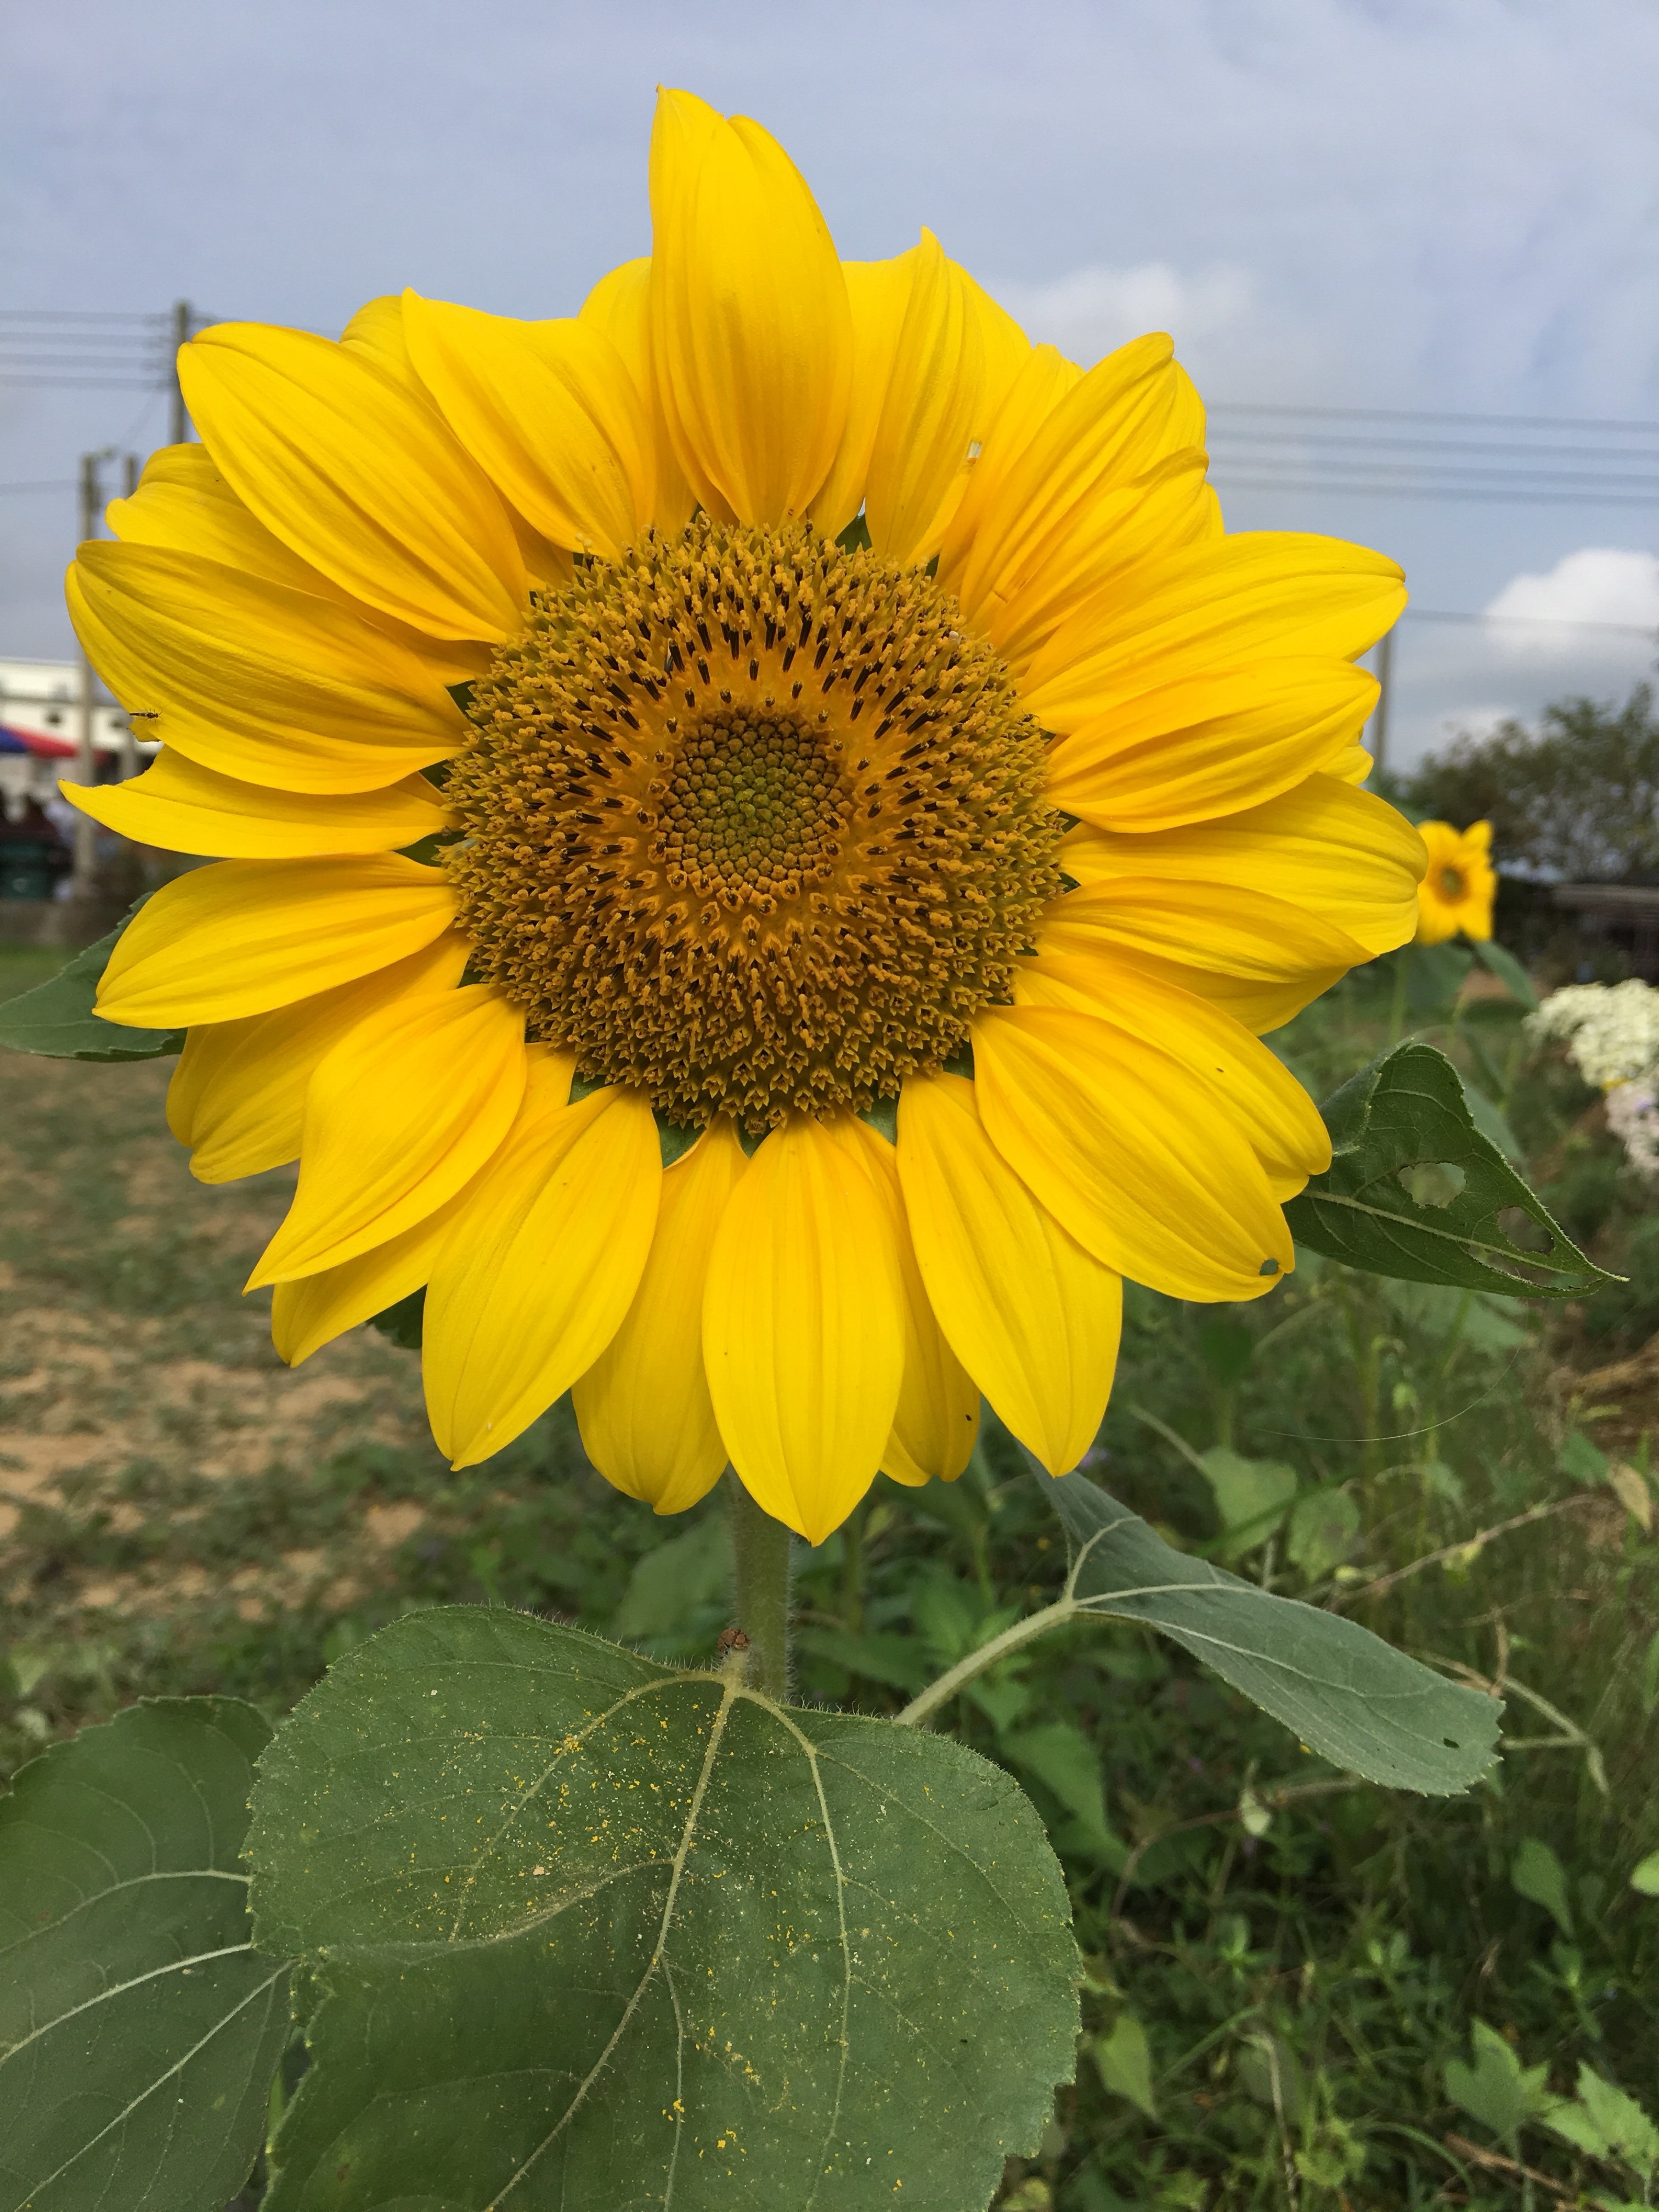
(750,823)
(1451,884)
(754,802)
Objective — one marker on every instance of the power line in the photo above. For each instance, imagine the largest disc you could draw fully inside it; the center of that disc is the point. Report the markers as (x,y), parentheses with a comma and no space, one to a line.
(1456,492)
(81,315)
(1423,414)
(1532,622)
(1346,441)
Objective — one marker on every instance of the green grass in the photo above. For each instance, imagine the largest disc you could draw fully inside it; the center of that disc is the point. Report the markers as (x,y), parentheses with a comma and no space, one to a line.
(1298,1956)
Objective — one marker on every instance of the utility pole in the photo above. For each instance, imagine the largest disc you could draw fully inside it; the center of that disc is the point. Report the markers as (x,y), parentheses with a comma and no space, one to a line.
(184,322)
(86,762)
(1377,736)
(129,761)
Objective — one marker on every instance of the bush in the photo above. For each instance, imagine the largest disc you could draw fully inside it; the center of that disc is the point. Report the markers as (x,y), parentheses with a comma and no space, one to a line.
(1577,798)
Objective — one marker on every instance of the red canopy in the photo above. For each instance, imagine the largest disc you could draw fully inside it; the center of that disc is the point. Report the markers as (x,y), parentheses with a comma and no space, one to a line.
(32,741)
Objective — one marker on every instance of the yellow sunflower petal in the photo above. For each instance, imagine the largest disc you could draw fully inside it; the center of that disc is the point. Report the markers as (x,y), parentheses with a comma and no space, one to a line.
(261,683)
(1136,1156)
(647,1420)
(182,807)
(1261,1006)
(1114,475)
(932,413)
(933,357)
(183,505)
(938,1415)
(878,295)
(803,1328)
(380,333)
(238,1094)
(549,411)
(877,300)
(1034,1318)
(1268,1105)
(542,1267)
(337,456)
(377,332)
(407,1108)
(313,1310)
(1007,350)
(1216,605)
(1038,379)
(243,936)
(1342,854)
(751,330)
(1352,765)
(1211,744)
(619,305)
(1261,958)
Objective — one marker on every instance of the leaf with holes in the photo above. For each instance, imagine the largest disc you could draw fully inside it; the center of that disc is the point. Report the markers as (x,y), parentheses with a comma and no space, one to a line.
(56,1019)
(1348,1695)
(587,1931)
(139,2031)
(1413,1189)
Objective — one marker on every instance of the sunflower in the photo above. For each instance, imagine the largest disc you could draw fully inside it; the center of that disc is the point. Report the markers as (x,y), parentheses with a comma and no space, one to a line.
(1458,891)
(756,830)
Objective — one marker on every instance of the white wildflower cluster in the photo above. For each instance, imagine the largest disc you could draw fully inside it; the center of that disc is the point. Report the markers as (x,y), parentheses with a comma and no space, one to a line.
(1611,1029)
(1633,1118)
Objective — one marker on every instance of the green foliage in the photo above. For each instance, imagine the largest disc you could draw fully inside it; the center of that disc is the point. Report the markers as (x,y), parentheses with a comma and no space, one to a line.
(588,1930)
(1539,1875)
(1356,1700)
(56,1020)
(404,1324)
(1577,798)
(1252,1497)
(1603,2121)
(1125,2062)
(139,2031)
(673,1584)
(1414,1189)
(1323,1532)
(1497,961)
(1496,2089)
(1301,1950)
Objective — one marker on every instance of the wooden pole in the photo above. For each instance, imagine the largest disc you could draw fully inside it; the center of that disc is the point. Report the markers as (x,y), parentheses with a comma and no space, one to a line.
(86,760)
(1376,737)
(184,321)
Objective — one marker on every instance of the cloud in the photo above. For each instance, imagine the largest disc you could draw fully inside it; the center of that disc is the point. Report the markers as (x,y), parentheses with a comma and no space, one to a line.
(1092,310)
(1596,590)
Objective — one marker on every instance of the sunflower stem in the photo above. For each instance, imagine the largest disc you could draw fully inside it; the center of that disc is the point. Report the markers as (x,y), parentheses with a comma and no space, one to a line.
(760,1555)
(1397,1004)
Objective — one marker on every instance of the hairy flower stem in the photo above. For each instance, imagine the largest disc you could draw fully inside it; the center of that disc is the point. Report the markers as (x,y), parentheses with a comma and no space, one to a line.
(760,1554)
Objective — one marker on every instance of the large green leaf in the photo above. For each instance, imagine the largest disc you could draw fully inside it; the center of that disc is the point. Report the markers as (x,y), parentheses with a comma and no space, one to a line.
(139,2030)
(56,1020)
(590,1932)
(1414,1189)
(1348,1695)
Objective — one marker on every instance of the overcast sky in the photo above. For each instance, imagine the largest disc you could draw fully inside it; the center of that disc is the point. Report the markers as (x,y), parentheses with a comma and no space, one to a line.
(1417,206)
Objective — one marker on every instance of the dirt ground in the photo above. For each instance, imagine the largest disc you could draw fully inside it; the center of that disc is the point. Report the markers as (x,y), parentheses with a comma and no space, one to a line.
(179,1512)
